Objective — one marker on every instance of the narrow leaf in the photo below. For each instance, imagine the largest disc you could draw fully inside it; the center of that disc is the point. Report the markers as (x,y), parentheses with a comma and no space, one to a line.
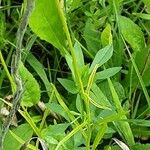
(102,56)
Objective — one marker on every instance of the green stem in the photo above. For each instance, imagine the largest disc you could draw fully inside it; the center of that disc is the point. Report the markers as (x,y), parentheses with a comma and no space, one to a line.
(13,86)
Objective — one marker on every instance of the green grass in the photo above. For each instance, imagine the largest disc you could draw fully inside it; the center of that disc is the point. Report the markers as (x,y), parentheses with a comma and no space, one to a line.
(85,74)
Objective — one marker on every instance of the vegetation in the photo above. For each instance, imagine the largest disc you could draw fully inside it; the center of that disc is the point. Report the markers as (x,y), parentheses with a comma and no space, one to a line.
(77,76)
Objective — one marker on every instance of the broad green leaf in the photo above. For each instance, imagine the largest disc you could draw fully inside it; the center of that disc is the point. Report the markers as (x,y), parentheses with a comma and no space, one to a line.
(132,33)
(107,73)
(102,56)
(31,95)
(68,85)
(79,55)
(23,131)
(106,36)
(39,68)
(46,22)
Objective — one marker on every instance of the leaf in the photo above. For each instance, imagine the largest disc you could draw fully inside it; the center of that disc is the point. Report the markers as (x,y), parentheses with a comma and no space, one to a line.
(68,85)
(23,131)
(54,130)
(143,16)
(102,56)
(92,37)
(79,55)
(79,104)
(39,68)
(106,36)
(54,107)
(69,62)
(147,3)
(132,33)
(54,133)
(107,73)
(31,95)
(75,4)
(46,22)
(97,95)
(142,60)
(140,122)
(141,147)
(2,29)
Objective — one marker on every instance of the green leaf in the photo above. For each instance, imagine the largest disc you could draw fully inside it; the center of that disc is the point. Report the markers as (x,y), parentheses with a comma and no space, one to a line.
(23,131)
(69,62)
(147,3)
(39,68)
(31,95)
(132,33)
(106,36)
(92,37)
(75,4)
(140,122)
(97,95)
(68,85)
(143,15)
(141,147)
(142,60)
(54,133)
(79,104)
(79,55)
(102,56)
(54,130)
(46,22)
(2,29)
(54,107)
(107,73)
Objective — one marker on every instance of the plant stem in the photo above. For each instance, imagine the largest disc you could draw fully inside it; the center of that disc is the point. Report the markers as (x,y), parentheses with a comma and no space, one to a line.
(13,86)
(15,70)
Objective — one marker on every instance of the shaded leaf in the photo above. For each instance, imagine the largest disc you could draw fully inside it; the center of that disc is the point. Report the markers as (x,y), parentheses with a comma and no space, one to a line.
(39,68)
(54,107)
(68,85)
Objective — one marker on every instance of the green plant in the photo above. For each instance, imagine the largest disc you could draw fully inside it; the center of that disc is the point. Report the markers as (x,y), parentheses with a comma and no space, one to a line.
(84,74)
